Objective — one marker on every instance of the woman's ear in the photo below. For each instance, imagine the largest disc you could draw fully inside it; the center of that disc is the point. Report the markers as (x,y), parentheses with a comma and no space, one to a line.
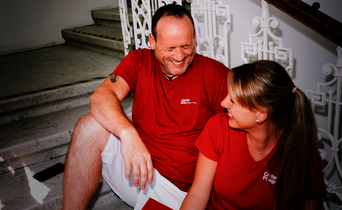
(261,116)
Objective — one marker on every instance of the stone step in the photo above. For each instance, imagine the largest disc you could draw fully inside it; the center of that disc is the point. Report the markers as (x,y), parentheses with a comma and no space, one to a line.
(20,191)
(43,137)
(30,145)
(41,69)
(103,39)
(47,100)
(110,17)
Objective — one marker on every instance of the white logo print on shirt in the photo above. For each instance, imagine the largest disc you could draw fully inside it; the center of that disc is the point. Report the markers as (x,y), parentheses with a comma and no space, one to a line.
(187,101)
(269,178)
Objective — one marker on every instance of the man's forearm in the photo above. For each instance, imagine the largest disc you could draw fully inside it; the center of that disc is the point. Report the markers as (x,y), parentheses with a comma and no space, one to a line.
(107,111)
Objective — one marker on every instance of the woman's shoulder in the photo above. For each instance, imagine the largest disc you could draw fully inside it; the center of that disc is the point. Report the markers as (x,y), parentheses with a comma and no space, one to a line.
(220,118)
(221,121)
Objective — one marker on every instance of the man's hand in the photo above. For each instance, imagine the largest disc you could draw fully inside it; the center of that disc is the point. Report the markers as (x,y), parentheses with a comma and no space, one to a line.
(107,111)
(136,156)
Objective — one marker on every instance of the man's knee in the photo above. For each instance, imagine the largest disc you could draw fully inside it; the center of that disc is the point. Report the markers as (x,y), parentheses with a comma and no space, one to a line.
(89,131)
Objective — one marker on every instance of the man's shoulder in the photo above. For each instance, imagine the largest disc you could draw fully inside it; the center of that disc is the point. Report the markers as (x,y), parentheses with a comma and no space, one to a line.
(141,52)
(139,57)
(208,62)
(207,59)
(210,68)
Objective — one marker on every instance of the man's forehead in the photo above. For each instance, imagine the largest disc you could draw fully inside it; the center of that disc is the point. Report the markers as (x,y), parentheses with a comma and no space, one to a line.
(169,19)
(168,22)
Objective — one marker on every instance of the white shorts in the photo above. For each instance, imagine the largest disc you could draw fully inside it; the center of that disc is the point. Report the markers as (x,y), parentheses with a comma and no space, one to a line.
(113,171)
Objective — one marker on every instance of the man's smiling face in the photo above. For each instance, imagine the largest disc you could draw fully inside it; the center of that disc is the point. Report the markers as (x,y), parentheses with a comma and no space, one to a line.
(175,44)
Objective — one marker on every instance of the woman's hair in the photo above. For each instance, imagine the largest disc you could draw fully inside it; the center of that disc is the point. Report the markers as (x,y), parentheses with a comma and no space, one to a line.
(265,85)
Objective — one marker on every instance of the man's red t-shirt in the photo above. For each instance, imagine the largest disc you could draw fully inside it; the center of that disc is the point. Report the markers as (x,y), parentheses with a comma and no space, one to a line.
(169,115)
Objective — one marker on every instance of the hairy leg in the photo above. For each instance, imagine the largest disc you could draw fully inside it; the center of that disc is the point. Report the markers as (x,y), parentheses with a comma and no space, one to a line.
(83,163)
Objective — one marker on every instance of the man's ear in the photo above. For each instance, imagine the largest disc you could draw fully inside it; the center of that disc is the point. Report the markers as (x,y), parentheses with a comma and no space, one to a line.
(152,41)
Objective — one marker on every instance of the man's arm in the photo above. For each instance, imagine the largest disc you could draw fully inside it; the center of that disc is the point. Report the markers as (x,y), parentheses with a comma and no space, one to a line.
(107,111)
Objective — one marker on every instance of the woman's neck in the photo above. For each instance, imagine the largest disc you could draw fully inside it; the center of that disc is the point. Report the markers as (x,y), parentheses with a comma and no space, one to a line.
(261,143)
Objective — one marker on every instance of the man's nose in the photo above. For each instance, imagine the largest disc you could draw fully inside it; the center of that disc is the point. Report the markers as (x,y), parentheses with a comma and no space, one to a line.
(178,55)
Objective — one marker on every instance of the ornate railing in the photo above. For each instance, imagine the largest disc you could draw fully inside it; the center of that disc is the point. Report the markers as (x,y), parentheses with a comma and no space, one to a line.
(142,11)
(209,41)
(265,45)
(127,31)
(329,96)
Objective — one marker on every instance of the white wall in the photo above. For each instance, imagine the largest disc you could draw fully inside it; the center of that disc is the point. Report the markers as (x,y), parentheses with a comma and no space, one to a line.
(34,24)
(311,50)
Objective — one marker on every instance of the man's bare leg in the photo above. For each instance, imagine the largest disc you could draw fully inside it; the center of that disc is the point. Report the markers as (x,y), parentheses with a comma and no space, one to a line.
(83,163)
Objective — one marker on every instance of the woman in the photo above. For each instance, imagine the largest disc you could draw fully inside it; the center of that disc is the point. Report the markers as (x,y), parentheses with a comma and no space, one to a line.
(262,154)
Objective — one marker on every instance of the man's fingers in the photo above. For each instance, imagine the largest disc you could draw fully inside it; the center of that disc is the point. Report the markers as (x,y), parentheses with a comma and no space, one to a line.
(136,174)
(149,171)
(138,162)
(143,177)
(128,167)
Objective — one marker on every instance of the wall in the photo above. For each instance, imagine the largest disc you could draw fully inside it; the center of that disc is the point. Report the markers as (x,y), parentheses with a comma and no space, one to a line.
(34,24)
(311,52)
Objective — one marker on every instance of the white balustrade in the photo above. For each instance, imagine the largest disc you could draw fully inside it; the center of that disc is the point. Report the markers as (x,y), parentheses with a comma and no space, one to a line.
(127,32)
(329,96)
(207,16)
(142,12)
(263,44)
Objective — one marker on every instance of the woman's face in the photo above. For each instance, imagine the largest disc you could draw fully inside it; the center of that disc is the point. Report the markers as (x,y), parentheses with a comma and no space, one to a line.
(239,117)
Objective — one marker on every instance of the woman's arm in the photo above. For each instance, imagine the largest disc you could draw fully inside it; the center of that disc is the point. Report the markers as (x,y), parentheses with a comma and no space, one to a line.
(200,191)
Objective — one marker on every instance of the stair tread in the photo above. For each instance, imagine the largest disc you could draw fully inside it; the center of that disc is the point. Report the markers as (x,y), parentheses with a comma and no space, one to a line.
(99,30)
(49,94)
(36,133)
(110,14)
(19,190)
(40,126)
(52,66)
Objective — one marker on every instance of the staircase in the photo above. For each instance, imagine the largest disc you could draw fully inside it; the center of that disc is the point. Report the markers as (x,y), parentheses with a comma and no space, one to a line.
(37,119)
(104,37)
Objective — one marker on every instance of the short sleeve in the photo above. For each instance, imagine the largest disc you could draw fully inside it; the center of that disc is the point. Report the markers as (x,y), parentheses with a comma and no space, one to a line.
(215,83)
(131,65)
(210,141)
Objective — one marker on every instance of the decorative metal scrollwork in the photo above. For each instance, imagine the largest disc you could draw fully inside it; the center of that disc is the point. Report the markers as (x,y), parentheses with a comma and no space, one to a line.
(207,17)
(127,32)
(329,95)
(265,48)
(142,11)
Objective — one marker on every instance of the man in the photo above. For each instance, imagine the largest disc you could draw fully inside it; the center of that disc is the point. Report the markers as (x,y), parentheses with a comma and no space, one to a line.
(175,92)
